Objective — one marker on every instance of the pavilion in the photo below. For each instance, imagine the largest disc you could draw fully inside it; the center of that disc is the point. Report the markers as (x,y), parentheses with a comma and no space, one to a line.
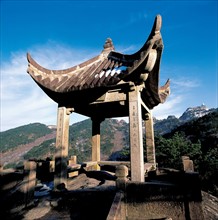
(110,84)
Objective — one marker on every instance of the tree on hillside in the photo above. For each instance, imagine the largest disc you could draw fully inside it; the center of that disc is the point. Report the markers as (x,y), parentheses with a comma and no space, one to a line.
(170,151)
(209,171)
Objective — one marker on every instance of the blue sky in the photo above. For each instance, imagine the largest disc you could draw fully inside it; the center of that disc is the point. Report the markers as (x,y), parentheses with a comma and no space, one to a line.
(60,34)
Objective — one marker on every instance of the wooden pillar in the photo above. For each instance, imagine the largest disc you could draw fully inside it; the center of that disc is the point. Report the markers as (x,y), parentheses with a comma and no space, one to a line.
(29,182)
(62,142)
(149,133)
(96,140)
(136,137)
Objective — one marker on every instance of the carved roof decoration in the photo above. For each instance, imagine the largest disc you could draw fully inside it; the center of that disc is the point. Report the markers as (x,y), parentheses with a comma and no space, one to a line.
(107,70)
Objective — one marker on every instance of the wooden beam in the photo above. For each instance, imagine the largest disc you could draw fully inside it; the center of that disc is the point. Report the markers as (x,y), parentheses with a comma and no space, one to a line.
(136,137)
(114,163)
(147,110)
(115,94)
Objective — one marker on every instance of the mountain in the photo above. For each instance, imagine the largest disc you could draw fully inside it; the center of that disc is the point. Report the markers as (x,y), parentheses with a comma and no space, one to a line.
(37,141)
(165,126)
(195,112)
(22,135)
(114,136)
(203,129)
(16,143)
(195,136)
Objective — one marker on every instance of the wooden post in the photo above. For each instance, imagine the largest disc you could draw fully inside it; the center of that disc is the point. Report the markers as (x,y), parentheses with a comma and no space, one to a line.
(121,174)
(188,165)
(96,140)
(62,142)
(149,133)
(136,138)
(73,161)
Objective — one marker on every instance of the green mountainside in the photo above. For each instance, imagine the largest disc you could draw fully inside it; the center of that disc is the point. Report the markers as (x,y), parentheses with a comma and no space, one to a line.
(204,129)
(165,126)
(22,135)
(202,137)
(113,133)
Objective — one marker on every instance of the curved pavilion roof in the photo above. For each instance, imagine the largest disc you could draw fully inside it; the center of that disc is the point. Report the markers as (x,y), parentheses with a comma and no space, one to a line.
(89,80)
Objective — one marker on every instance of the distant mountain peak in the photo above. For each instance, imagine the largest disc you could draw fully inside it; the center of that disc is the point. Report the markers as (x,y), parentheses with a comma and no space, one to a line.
(202,107)
(171,117)
(164,126)
(194,112)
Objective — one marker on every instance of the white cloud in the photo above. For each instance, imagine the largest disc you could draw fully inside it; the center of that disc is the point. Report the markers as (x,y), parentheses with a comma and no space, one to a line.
(135,17)
(56,56)
(172,106)
(127,50)
(181,90)
(186,83)
(22,101)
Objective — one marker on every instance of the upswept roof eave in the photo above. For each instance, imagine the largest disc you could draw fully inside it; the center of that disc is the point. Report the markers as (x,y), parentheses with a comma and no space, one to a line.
(164,91)
(55,79)
(146,54)
(64,71)
(140,67)
(153,42)
(155,93)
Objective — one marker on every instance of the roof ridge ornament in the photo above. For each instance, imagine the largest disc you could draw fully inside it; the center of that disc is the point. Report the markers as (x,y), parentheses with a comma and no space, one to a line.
(108,46)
